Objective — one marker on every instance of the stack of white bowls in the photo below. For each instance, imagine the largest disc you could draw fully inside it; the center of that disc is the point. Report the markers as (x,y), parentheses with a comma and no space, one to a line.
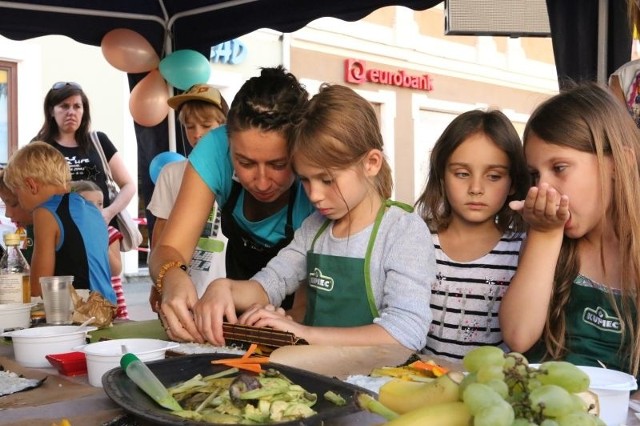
(104,356)
(32,345)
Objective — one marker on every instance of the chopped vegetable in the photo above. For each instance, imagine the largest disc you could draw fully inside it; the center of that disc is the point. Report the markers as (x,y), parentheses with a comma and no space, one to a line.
(429,366)
(335,398)
(240,361)
(416,371)
(368,403)
(240,385)
(246,399)
(246,362)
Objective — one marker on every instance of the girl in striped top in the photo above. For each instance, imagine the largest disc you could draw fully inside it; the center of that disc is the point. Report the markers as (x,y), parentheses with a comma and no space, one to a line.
(477,167)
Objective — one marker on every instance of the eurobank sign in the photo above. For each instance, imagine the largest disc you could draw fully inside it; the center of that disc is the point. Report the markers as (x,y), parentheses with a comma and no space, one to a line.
(356,71)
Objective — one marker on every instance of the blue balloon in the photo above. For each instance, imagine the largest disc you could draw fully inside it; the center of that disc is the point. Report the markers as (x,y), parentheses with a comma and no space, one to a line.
(184,68)
(161,160)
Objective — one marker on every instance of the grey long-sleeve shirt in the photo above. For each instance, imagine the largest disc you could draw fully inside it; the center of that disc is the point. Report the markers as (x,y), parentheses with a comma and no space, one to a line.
(403,268)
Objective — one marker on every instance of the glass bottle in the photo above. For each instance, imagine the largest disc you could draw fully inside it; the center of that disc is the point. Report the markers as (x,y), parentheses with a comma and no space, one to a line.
(14,272)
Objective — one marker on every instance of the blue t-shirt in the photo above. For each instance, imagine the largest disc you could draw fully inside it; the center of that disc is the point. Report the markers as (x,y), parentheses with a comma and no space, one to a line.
(83,250)
(211,159)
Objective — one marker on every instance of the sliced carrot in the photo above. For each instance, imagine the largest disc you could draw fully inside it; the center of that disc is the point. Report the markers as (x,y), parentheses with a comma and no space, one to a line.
(240,361)
(429,366)
(255,368)
(246,362)
(251,350)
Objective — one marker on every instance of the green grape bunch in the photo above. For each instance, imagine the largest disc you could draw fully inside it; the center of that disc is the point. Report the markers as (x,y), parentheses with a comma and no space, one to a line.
(502,389)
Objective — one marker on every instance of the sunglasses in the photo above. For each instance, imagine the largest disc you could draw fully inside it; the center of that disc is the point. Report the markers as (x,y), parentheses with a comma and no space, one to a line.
(61,84)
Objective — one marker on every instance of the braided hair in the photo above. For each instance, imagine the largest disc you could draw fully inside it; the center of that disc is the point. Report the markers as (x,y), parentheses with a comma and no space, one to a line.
(272,101)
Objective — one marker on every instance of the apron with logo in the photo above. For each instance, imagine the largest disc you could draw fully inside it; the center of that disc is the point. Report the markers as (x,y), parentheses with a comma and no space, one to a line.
(593,329)
(246,256)
(339,292)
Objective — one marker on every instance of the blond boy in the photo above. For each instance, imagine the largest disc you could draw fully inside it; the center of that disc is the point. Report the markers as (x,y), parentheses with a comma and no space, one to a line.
(70,234)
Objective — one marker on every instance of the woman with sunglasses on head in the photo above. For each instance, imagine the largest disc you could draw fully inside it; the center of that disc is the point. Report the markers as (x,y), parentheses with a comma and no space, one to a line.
(245,167)
(67,127)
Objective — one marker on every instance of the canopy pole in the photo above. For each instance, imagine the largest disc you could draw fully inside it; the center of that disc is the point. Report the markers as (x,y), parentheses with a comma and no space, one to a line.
(172,113)
(603,29)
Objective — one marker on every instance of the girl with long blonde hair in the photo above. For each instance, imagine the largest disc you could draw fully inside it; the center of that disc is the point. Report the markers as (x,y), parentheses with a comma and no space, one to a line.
(575,293)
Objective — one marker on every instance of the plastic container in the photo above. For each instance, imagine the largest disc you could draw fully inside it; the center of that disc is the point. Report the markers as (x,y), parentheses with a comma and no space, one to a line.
(612,388)
(103,356)
(56,295)
(32,345)
(15,316)
(70,363)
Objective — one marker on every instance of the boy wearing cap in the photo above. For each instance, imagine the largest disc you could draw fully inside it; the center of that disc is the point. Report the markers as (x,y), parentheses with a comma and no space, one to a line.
(200,109)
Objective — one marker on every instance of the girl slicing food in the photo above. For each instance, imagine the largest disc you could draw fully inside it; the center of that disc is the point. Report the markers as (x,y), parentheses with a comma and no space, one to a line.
(369,261)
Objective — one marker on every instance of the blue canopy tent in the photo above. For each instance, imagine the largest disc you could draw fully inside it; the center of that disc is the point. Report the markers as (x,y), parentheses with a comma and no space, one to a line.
(590,37)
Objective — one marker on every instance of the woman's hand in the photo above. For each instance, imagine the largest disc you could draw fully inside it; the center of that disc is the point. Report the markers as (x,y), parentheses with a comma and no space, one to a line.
(544,209)
(155,299)
(108,215)
(214,306)
(178,300)
(126,184)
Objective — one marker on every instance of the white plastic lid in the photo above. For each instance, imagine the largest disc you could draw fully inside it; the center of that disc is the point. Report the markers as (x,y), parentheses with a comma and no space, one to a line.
(50,331)
(607,379)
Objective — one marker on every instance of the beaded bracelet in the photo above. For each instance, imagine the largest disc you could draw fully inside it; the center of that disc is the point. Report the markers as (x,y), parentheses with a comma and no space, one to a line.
(163,270)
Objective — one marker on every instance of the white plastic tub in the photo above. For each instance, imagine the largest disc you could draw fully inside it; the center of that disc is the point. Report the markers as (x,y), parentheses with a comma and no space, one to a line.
(15,315)
(104,356)
(612,388)
(32,345)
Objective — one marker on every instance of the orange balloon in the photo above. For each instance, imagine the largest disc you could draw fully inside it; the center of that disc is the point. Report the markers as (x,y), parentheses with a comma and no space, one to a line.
(148,102)
(128,51)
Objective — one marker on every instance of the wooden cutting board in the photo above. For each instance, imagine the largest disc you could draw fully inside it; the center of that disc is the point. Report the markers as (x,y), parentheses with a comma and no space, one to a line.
(340,361)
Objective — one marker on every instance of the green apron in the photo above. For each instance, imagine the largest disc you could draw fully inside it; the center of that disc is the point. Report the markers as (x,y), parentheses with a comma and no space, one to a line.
(339,293)
(593,331)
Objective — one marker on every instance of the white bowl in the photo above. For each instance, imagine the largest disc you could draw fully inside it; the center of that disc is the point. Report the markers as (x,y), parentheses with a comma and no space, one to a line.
(15,315)
(32,345)
(612,388)
(104,356)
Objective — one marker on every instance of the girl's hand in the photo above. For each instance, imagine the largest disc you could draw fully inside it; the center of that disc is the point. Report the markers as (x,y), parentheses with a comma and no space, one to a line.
(214,306)
(544,209)
(270,316)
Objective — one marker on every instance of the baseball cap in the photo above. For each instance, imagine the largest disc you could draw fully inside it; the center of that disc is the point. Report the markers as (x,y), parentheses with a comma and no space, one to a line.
(197,92)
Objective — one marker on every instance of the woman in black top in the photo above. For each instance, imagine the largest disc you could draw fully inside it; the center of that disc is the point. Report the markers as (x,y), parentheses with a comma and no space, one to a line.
(67,121)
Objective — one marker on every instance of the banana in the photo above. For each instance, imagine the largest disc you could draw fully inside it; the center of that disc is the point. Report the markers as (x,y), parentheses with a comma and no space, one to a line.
(447,414)
(403,396)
